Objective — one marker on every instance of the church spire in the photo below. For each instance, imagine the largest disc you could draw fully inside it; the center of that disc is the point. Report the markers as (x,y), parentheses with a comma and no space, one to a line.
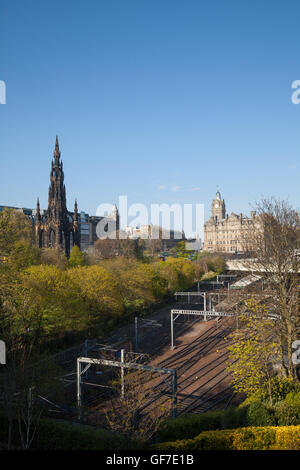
(75,207)
(56,150)
(75,218)
(38,213)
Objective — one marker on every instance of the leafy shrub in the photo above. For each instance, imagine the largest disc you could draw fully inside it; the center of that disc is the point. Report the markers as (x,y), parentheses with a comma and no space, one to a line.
(287,438)
(213,440)
(287,414)
(254,413)
(293,398)
(260,414)
(207,440)
(188,426)
(183,444)
(280,387)
(253,438)
(234,417)
(249,438)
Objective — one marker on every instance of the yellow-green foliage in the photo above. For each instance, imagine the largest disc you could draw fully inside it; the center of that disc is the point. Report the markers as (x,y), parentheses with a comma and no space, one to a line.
(208,262)
(67,299)
(134,280)
(280,388)
(208,276)
(76,257)
(251,352)
(14,227)
(71,300)
(251,438)
(178,272)
(287,437)
(293,397)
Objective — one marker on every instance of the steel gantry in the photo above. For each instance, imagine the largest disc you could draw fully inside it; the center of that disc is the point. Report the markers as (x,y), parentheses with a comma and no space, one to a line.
(208,298)
(204,313)
(191,295)
(88,361)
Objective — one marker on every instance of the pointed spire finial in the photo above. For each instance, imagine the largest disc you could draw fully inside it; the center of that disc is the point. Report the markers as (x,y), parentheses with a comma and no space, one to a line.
(38,213)
(56,150)
(75,208)
(75,218)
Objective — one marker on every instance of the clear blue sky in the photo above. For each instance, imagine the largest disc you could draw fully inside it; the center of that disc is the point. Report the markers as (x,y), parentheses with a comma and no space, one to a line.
(161,100)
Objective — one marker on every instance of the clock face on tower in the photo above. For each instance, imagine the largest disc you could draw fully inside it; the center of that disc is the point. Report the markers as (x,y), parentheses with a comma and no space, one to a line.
(216,205)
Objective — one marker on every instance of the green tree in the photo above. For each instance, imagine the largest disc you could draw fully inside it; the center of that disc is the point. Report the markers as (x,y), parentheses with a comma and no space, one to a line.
(58,299)
(14,226)
(98,290)
(135,281)
(179,249)
(22,255)
(273,244)
(76,257)
(21,383)
(252,351)
(178,272)
(55,257)
(209,262)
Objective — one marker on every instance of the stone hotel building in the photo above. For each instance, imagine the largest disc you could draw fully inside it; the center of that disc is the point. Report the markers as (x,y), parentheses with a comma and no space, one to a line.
(223,232)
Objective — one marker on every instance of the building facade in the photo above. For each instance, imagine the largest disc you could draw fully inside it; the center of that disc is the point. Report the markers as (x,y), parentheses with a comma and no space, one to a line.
(89,232)
(225,233)
(169,238)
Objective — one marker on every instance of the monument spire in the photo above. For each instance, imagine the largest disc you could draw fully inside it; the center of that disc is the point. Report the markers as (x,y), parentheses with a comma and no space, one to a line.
(56,151)
(57,228)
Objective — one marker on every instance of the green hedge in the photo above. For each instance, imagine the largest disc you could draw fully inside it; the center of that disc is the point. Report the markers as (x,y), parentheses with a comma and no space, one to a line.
(61,435)
(188,426)
(250,438)
(287,414)
(260,414)
(257,413)
(235,417)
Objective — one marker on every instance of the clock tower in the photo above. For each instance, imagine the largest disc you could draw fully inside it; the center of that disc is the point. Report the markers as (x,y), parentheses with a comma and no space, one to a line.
(218,208)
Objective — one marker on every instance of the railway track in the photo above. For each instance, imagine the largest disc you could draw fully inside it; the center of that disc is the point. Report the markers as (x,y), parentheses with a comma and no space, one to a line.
(208,392)
(211,375)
